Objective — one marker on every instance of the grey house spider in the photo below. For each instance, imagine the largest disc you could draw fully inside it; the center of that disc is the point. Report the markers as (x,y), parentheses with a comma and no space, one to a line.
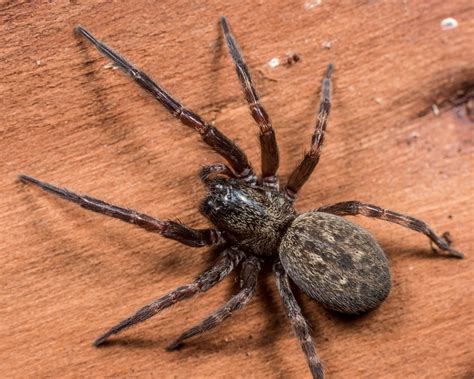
(334,261)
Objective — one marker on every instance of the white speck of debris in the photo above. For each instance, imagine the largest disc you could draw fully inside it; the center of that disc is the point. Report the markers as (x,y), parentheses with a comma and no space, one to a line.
(435,109)
(378,100)
(312,4)
(449,23)
(110,65)
(38,62)
(413,136)
(326,45)
(274,62)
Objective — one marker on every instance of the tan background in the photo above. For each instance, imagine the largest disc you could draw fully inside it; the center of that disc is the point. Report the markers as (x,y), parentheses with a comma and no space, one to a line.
(69,119)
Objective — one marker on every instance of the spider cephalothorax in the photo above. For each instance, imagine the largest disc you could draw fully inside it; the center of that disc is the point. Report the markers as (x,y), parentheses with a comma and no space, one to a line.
(253,217)
(334,261)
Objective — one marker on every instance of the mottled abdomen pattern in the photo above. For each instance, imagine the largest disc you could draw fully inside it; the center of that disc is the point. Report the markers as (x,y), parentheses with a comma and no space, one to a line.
(336,262)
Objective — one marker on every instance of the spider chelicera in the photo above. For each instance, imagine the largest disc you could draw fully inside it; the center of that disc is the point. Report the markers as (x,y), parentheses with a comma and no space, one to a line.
(334,261)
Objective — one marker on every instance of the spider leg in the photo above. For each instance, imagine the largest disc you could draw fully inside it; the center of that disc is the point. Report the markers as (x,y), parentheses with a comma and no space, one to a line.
(229,259)
(169,229)
(250,270)
(211,135)
(211,170)
(353,208)
(304,170)
(268,143)
(298,322)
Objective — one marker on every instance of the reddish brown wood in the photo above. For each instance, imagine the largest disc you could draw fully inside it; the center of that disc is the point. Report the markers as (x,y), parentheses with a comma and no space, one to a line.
(70,119)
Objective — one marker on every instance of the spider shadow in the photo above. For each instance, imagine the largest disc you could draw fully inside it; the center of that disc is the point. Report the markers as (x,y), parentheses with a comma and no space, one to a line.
(100,96)
(271,307)
(131,342)
(218,53)
(112,122)
(426,253)
(68,251)
(173,259)
(317,316)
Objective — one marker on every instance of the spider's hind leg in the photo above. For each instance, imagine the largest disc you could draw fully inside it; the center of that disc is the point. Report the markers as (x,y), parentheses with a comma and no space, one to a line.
(353,208)
(249,273)
(298,322)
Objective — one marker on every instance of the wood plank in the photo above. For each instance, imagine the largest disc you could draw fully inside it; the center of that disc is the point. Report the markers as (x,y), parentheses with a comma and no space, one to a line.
(70,119)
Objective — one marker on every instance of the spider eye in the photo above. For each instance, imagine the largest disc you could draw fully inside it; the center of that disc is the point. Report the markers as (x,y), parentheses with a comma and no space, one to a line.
(218,188)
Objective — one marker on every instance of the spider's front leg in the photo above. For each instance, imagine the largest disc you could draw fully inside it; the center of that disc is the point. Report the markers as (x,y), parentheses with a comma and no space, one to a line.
(169,229)
(353,208)
(304,170)
(210,135)
(268,143)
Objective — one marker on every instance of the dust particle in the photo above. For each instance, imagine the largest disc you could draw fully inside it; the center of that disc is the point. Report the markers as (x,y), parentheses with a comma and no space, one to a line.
(378,100)
(412,137)
(326,45)
(449,23)
(312,4)
(274,62)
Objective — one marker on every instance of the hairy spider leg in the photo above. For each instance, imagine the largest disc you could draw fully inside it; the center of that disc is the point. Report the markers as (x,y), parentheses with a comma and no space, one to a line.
(298,322)
(211,135)
(250,269)
(169,229)
(304,170)
(268,143)
(229,259)
(353,208)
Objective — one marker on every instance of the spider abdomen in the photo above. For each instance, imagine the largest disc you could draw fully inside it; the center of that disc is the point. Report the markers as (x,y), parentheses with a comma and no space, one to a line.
(336,262)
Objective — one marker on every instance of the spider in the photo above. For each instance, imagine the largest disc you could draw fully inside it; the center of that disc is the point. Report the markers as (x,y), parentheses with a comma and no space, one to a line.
(334,261)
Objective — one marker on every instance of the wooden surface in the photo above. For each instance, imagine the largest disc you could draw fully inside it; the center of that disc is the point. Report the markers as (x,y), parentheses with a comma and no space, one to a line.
(70,119)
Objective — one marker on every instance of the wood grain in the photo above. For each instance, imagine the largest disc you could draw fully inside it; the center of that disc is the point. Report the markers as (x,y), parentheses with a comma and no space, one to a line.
(70,119)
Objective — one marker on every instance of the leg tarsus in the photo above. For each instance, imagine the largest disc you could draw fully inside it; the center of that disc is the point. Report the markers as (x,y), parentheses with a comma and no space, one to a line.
(169,229)
(250,270)
(447,237)
(353,208)
(229,259)
(298,322)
